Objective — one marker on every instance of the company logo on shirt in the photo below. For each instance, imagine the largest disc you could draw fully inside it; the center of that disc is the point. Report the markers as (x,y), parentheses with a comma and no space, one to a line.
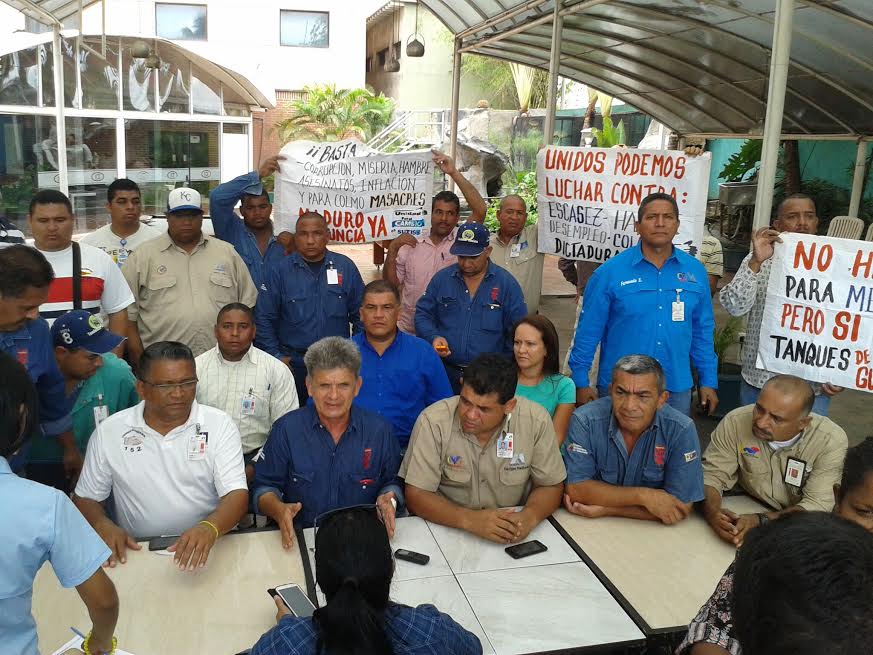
(686,277)
(660,455)
(576,448)
(690,456)
(86,272)
(454,461)
(751,451)
(517,463)
(368,456)
(132,441)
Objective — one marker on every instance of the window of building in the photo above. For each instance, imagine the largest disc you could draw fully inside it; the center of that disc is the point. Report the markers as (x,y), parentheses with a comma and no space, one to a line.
(306,29)
(180,22)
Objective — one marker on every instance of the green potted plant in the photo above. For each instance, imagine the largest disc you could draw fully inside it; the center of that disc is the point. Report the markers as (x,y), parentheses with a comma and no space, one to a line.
(729,378)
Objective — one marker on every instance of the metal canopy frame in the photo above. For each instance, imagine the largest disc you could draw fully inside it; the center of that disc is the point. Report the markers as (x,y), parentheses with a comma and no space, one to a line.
(768,69)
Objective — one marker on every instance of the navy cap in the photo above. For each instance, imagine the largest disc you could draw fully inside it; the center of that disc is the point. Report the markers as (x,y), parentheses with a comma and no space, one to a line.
(79,329)
(471,240)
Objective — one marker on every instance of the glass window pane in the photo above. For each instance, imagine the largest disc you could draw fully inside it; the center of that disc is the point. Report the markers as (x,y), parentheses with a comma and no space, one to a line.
(138,83)
(308,29)
(48,80)
(91,167)
(180,22)
(206,93)
(162,155)
(71,96)
(19,78)
(23,165)
(234,104)
(99,74)
(173,82)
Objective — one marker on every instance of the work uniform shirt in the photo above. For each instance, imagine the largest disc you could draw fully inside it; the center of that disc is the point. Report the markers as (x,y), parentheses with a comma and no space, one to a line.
(630,309)
(735,455)
(163,484)
(443,459)
(32,346)
(401,382)
(666,456)
(178,295)
(38,524)
(301,463)
(111,389)
(228,226)
(521,259)
(255,392)
(472,325)
(116,247)
(415,269)
(302,305)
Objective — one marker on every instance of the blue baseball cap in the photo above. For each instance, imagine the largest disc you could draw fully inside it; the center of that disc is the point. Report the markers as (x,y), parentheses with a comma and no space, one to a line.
(79,329)
(471,240)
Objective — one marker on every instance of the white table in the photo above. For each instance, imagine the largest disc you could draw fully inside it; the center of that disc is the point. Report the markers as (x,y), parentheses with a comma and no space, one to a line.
(545,602)
(662,574)
(223,608)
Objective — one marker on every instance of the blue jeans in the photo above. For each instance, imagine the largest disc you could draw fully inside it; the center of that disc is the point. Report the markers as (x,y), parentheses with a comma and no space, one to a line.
(680,400)
(749,396)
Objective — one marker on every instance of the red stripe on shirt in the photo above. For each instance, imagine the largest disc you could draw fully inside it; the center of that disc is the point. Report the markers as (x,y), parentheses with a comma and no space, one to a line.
(61,289)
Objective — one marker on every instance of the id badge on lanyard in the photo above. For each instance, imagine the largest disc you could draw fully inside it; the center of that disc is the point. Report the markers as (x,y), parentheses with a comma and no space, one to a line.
(197,443)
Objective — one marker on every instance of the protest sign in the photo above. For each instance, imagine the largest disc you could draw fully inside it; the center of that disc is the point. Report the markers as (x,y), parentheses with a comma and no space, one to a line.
(363,195)
(587,198)
(818,316)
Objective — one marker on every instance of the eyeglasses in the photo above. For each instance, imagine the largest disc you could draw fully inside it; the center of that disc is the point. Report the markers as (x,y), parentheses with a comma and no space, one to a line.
(188,385)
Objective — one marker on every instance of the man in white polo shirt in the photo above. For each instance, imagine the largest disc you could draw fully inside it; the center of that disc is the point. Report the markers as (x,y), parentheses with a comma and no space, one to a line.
(173,467)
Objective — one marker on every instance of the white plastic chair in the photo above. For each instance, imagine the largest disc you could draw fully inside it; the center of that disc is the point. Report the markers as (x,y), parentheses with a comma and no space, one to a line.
(869,236)
(845,227)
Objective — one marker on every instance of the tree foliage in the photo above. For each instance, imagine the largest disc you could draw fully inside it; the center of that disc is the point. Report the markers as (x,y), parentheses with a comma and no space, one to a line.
(330,114)
(611,135)
(497,81)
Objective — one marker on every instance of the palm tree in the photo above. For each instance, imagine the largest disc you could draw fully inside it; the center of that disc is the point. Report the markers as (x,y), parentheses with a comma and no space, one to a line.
(330,114)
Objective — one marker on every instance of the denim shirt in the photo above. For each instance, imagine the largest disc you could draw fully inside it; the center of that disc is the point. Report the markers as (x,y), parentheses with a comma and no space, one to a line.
(231,228)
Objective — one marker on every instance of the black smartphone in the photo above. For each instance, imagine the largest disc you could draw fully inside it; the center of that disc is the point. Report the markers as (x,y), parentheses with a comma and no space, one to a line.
(162,543)
(294,598)
(411,556)
(526,549)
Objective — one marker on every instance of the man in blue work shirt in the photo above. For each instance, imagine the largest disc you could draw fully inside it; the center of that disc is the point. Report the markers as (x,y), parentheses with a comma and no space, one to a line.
(25,276)
(311,294)
(630,454)
(469,309)
(252,237)
(401,373)
(651,299)
(328,454)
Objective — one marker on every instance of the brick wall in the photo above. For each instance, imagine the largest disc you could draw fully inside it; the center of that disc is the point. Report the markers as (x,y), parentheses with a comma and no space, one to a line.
(265,141)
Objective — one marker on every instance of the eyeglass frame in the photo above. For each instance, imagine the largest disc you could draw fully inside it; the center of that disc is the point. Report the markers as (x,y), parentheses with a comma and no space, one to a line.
(169,387)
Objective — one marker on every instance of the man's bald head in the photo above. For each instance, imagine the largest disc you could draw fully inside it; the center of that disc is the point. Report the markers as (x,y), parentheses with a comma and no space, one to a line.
(313,216)
(795,387)
(311,236)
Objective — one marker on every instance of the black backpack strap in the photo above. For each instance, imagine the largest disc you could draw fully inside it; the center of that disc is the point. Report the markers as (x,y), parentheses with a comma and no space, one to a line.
(77,276)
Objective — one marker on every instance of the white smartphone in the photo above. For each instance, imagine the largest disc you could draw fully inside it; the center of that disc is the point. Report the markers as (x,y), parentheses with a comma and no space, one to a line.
(294,598)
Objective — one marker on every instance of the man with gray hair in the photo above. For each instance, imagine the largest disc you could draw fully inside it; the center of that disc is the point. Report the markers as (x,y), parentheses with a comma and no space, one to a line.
(630,454)
(331,453)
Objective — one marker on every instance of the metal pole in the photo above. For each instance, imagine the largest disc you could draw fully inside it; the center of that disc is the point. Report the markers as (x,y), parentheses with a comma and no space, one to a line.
(456,103)
(858,178)
(779,60)
(60,133)
(554,68)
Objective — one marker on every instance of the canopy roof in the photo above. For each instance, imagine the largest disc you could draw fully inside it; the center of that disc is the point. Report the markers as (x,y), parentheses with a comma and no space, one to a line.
(49,11)
(699,67)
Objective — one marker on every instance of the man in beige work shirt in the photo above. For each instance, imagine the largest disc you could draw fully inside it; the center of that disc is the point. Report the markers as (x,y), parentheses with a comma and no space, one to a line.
(181,279)
(514,247)
(474,457)
(780,453)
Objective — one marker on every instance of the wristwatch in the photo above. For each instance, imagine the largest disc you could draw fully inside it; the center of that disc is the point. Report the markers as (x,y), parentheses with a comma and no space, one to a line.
(763,519)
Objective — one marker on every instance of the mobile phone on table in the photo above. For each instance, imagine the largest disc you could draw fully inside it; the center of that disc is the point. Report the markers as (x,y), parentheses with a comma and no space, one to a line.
(411,556)
(162,543)
(526,549)
(294,598)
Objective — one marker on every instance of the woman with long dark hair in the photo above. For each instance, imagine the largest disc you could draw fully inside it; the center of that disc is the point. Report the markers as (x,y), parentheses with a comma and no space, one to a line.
(39,523)
(354,567)
(535,348)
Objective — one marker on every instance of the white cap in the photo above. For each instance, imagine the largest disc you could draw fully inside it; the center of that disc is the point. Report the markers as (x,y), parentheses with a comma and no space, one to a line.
(183,198)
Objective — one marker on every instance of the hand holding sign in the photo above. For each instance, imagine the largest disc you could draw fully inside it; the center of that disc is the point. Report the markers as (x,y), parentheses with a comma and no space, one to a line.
(762,247)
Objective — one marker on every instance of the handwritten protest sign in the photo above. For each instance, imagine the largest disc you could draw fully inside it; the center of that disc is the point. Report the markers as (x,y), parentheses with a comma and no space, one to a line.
(818,316)
(587,198)
(364,195)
